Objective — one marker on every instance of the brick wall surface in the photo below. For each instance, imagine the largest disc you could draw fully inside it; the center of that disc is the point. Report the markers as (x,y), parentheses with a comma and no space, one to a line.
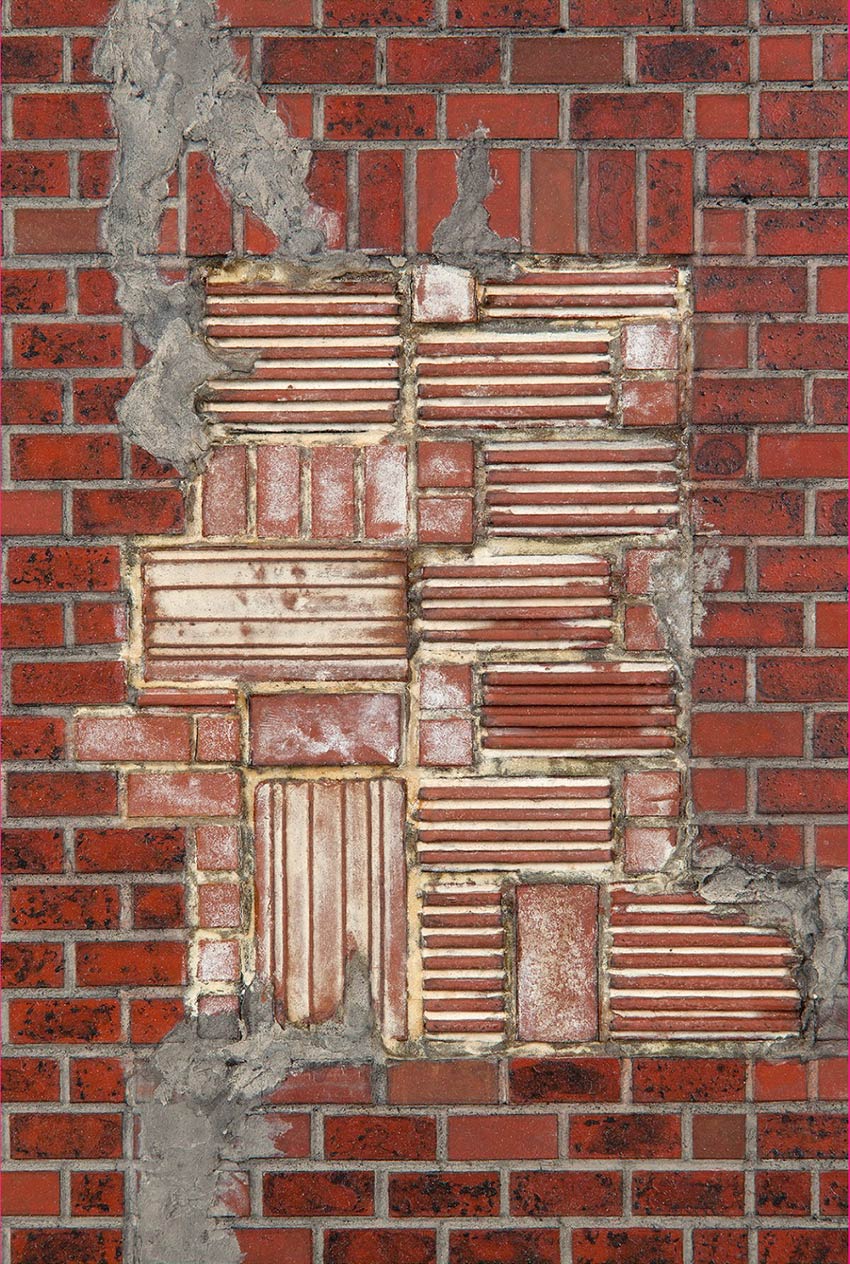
(702,135)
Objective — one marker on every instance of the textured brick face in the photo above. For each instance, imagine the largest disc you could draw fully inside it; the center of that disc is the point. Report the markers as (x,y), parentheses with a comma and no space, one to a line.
(323,701)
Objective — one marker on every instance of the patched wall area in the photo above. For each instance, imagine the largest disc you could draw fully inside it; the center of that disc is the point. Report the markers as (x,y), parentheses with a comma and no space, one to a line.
(425,632)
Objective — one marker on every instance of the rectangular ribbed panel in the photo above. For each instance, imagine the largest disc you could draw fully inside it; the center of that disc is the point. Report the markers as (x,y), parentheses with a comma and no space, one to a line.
(570,709)
(682,969)
(516,601)
(331,884)
(493,379)
(322,361)
(463,963)
(262,614)
(566,489)
(540,823)
(582,294)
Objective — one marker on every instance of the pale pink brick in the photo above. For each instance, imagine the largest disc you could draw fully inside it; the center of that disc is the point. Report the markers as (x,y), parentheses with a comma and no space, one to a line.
(652,793)
(650,404)
(445,520)
(217,846)
(650,345)
(647,849)
(219,739)
(218,961)
(443,295)
(225,492)
(278,491)
(325,729)
(332,493)
(158,738)
(557,990)
(385,493)
(183,794)
(445,743)
(445,686)
(219,905)
(445,463)
(642,629)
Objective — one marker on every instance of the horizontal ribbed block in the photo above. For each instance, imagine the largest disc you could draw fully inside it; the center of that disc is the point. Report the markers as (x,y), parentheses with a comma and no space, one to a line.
(583,294)
(492,380)
(487,823)
(259,614)
(331,886)
(684,969)
(579,709)
(463,962)
(323,361)
(568,489)
(517,601)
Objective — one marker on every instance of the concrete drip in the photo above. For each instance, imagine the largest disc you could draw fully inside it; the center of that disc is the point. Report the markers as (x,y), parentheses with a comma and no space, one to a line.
(465,233)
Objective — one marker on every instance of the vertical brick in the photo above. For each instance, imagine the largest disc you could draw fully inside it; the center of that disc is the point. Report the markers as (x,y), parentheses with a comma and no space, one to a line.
(556,967)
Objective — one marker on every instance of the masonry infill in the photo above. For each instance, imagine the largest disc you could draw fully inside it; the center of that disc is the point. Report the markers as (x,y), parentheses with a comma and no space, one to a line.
(433,577)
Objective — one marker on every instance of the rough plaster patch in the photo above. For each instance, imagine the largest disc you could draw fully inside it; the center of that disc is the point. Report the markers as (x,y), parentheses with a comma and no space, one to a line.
(196,1099)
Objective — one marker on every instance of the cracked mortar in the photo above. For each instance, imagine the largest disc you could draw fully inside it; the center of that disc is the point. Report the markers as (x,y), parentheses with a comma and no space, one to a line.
(197,1097)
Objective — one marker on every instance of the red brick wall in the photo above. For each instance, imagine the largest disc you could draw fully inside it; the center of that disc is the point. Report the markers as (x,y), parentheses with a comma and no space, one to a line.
(703,131)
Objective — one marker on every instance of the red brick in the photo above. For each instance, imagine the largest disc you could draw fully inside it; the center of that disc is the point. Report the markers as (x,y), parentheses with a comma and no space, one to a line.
(829,740)
(688,1079)
(832,174)
(791,456)
(809,113)
(60,569)
(97,1193)
(780,1082)
(831,625)
(625,12)
(833,1194)
(568,59)
(669,194)
(208,210)
(271,1246)
(784,568)
(692,59)
(612,226)
(391,13)
(32,513)
(264,12)
(30,1080)
(802,12)
(444,1194)
(626,116)
(129,850)
(328,187)
(33,965)
(378,1246)
(801,680)
(753,624)
(61,116)
(747,734)
(183,794)
(723,116)
(381,224)
(724,232)
(71,1246)
(97,1080)
(337,1085)
(394,1137)
(801,232)
(442,1083)
(506,13)
(832,1079)
(443,61)
(487,1138)
(33,737)
(159,906)
(65,1136)
(835,57)
(35,174)
(31,1193)
(36,290)
(783,1193)
(526,116)
(719,1246)
(720,790)
(133,964)
(780,845)
(100,622)
(128,511)
(69,682)
(801,790)
(380,117)
(96,400)
(95,172)
(152,1020)
(543,1080)
(719,1136)
(832,290)
(66,346)
(63,907)
(553,200)
(749,513)
(702,1193)
(633,1136)
(750,289)
(61,793)
(72,13)
(504,1246)
(318,1193)
(32,58)
(572,1193)
(742,173)
(802,1246)
(29,624)
(32,403)
(627,1246)
(318,59)
(746,401)
(783,58)
(32,851)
